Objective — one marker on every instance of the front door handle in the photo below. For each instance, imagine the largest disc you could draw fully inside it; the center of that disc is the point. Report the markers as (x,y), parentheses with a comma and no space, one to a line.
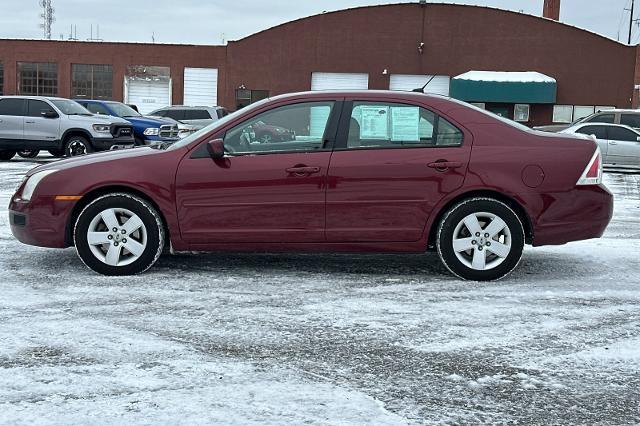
(442,165)
(613,143)
(29,122)
(303,170)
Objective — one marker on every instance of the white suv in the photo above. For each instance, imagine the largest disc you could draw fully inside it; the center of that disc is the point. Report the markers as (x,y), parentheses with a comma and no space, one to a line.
(61,126)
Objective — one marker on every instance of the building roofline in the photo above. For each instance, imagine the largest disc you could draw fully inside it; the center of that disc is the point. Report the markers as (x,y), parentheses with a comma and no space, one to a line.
(496,9)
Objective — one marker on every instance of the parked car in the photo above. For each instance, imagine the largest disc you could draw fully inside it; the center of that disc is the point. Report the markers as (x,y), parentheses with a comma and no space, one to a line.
(147,130)
(364,174)
(620,145)
(628,117)
(199,116)
(184,130)
(61,126)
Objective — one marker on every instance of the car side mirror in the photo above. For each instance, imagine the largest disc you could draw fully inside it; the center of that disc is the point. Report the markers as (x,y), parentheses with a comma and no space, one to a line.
(49,114)
(216,148)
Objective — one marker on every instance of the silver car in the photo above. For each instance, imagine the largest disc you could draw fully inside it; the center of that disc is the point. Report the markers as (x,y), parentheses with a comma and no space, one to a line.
(197,116)
(619,144)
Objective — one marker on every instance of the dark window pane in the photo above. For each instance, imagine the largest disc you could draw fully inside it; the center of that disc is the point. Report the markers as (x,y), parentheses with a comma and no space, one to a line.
(176,114)
(11,106)
(91,81)
(36,108)
(197,114)
(448,134)
(37,78)
(622,134)
(600,132)
(631,120)
(602,118)
(1,79)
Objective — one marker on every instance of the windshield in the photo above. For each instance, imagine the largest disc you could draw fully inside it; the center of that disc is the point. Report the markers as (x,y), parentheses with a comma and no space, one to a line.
(122,110)
(211,127)
(70,107)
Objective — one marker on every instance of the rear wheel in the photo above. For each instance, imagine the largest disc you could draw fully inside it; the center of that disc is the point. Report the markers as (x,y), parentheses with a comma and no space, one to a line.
(480,239)
(7,155)
(29,153)
(77,145)
(119,234)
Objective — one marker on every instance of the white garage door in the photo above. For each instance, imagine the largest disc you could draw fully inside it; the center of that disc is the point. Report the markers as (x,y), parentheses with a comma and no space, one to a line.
(201,86)
(147,95)
(439,85)
(339,81)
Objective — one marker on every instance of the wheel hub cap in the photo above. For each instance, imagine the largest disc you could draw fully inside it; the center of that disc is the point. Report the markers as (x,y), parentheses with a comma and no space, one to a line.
(117,237)
(482,241)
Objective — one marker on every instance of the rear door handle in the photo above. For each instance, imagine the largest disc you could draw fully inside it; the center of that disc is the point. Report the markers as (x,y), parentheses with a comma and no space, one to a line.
(444,165)
(303,170)
(29,122)
(613,143)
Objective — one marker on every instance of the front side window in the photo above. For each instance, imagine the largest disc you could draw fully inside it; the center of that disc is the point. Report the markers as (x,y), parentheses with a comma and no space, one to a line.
(602,118)
(631,120)
(122,110)
(600,132)
(395,125)
(97,109)
(91,81)
(298,127)
(37,78)
(35,108)
(176,114)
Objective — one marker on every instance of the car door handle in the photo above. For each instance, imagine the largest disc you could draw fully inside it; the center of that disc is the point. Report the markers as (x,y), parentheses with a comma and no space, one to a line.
(613,143)
(303,170)
(442,165)
(29,122)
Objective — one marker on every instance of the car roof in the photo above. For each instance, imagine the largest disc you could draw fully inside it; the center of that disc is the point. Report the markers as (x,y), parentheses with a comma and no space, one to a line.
(51,98)
(595,123)
(636,111)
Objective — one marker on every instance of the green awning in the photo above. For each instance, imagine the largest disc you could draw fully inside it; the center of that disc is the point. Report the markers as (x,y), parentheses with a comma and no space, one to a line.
(504,87)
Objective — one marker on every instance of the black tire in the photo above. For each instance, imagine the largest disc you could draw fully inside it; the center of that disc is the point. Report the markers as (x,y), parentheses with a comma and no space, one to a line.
(513,233)
(7,155)
(77,145)
(139,142)
(57,152)
(155,234)
(29,153)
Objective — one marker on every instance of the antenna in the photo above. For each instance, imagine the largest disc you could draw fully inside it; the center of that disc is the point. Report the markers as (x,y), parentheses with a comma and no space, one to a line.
(48,17)
(421,89)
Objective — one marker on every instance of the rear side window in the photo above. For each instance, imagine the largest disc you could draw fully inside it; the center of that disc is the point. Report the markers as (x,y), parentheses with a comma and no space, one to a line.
(394,125)
(197,114)
(601,118)
(222,112)
(35,108)
(12,106)
(622,134)
(631,120)
(600,132)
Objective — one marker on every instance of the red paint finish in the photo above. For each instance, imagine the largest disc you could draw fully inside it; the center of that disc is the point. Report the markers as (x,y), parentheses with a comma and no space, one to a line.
(331,200)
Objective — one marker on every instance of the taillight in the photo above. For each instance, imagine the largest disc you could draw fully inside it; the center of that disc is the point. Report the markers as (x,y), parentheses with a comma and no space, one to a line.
(592,175)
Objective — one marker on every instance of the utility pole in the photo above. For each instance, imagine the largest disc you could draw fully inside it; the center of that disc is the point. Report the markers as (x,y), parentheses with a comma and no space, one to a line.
(631,21)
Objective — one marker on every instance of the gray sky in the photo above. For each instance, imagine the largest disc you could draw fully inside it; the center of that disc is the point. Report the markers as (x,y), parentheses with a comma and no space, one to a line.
(204,21)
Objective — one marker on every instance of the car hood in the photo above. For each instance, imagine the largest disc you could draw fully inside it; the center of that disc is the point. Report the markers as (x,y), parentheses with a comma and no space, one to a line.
(97,119)
(96,158)
(148,121)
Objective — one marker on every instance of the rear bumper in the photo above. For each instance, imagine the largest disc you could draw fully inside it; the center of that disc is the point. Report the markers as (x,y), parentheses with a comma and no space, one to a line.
(42,224)
(581,214)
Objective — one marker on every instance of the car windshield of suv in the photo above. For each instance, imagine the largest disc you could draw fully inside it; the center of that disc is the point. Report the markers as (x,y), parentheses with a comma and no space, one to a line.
(122,110)
(70,107)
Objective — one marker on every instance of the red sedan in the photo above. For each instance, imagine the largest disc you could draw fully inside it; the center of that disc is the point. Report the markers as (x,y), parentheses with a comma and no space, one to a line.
(371,171)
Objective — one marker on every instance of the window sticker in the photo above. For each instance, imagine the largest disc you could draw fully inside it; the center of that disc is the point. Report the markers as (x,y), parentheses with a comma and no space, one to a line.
(405,124)
(374,122)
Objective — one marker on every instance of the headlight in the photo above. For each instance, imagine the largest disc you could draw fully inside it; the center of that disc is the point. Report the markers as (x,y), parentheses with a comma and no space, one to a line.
(102,128)
(32,183)
(151,131)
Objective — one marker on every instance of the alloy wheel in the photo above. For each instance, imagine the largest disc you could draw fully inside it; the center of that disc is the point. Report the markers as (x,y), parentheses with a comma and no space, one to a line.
(482,241)
(117,237)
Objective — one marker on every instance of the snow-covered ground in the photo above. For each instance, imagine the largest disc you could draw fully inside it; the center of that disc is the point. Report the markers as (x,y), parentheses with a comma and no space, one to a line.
(323,339)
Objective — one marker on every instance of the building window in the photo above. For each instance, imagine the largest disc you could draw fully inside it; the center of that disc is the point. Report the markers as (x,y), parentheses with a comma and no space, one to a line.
(479,104)
(521,112)
(91,81)
(582,111)
(1,79)
(246,97)
(562,113)
(37,78)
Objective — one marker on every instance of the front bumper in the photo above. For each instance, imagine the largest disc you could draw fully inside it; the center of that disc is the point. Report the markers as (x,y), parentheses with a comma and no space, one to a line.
(581,214)
(42,222)
(106,143)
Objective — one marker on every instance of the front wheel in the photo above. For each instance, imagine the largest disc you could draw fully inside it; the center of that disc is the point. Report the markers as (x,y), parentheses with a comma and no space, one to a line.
(29,153)
(7,155)
(480,239)
(77,145)
(119,234)
(57,152)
